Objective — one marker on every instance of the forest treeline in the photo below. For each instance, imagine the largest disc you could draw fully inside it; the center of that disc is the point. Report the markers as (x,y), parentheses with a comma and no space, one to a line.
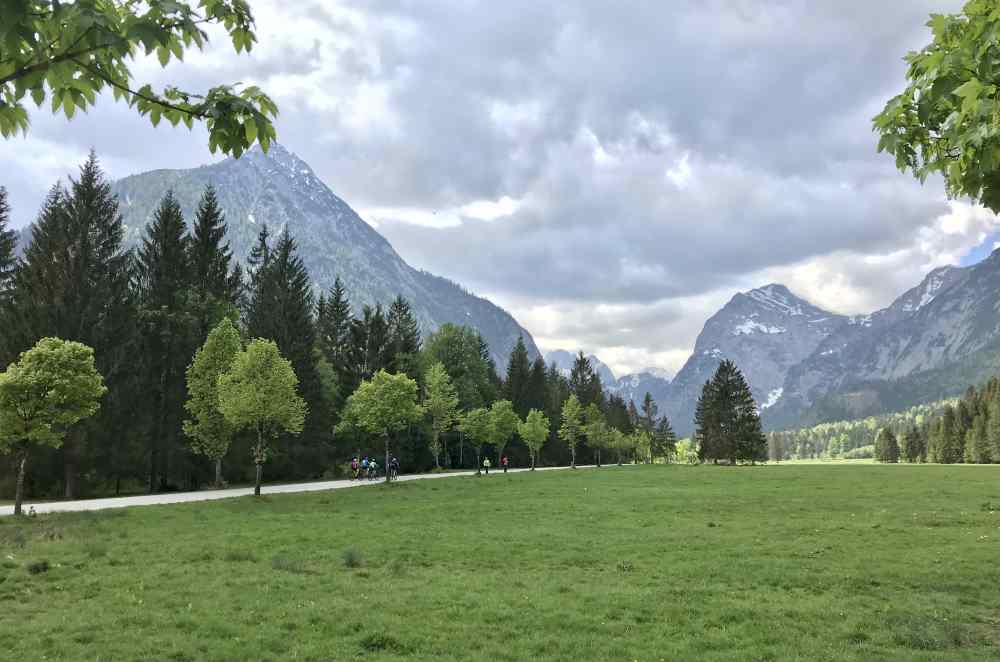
(146,311)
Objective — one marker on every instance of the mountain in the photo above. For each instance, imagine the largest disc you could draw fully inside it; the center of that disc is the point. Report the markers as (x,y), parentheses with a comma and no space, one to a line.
(564,361)
(281,190)
(766,331)
(635,386)
(932,342)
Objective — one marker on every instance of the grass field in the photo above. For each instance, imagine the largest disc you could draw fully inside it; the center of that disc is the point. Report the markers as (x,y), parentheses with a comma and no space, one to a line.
(634,563)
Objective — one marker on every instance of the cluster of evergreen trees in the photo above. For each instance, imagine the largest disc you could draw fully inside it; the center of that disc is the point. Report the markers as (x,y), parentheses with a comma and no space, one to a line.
(145,311)
(852,439)
(727,424)
(966,432)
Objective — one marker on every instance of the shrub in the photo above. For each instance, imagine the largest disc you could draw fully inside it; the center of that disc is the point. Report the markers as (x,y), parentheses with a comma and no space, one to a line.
(353,558)
(38,567)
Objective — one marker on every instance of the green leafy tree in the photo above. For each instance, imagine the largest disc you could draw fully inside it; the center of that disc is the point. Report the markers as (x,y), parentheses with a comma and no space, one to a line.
(51,387)
(596,429)
(642,445)
(886,446)
(441,402)
(534,430)
(945,121)
(505,423)
(382,407)
(69,52)
(571,429)
(260,393)
(208,430)
(618,442)
(477,425)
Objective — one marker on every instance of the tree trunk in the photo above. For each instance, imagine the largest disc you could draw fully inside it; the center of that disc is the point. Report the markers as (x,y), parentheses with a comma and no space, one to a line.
(461,450)
(218,472)
(437,449)
(259,459)
(22,465)
(572,457)
(71,459)
(532,461)
(479,465)
(387,472)
(598,458)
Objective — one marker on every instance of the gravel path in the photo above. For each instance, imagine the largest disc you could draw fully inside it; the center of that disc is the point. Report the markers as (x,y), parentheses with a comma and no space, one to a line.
(211,495)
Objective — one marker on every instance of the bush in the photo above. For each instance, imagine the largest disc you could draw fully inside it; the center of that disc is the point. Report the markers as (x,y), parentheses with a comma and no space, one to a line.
(38,567)
(353,558)
(860,453)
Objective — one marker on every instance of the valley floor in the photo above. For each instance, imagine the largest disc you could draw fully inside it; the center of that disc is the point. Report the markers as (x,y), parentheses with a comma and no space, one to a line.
(644,563)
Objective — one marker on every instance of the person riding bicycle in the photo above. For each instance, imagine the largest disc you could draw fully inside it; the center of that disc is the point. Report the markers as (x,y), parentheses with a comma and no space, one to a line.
(372,469)
(394,468)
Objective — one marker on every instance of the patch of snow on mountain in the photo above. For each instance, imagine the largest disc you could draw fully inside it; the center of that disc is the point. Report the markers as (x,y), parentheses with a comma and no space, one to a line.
(773,397)
(930,291)
(774,299)
(749,327)
(861,320)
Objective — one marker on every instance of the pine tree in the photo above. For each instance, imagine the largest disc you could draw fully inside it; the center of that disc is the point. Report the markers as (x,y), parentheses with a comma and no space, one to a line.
(215,284)
(74,284)
(585,382)
(536,393)
(515,387)
(8,269)
(706,428)
(404,339)
(977,442)
(910,446)
(333,329)
(168,328)
(726,419)
(665,439)
(993,429)
(886,446)
(368,349)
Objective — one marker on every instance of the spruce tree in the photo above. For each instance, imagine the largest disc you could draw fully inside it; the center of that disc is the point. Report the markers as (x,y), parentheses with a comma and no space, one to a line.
(977,442)
(886,446)
(74,284)
(993,429)
(167,324)
(368,347)
(665,439)
(215,285)
(910,445)
(404,339)
(333,330)
(8,267)
(515,387)
(585,382)
(535,395)
(726,419)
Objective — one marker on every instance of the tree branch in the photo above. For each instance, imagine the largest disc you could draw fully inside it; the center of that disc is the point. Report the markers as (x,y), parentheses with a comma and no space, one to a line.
(127,90)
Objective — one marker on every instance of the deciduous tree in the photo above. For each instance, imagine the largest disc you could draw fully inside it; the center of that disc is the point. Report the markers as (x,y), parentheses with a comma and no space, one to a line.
(534,430)
(571,429)
(441,403)
(51,387)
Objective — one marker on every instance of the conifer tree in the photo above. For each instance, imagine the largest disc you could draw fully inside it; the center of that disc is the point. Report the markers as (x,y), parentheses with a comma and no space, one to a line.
(215,284)
(993,429)
(536,393)
(516,385)
(368,349)
(167,327)
(585,382)
(404,339)
(886,446)
(910,446)
(82,296)
(726,419)
(8,267)
(665,439)
(334,328)
(977,442)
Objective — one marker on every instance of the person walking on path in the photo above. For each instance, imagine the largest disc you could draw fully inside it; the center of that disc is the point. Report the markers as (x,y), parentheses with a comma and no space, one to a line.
(486,465)
(504,463)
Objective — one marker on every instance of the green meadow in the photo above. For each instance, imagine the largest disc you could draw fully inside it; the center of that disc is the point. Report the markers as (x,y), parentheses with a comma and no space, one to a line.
(622,563)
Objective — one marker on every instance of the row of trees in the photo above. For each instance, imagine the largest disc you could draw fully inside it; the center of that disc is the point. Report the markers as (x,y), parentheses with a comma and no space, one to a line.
(147,312)
(851,439)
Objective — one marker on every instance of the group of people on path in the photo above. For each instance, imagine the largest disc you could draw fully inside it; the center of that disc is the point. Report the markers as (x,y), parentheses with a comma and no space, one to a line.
(368,468)
(504,464)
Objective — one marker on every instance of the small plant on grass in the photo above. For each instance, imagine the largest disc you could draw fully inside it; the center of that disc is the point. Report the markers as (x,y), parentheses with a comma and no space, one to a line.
(38,567)
(240,556)
(353,558)
(285,564)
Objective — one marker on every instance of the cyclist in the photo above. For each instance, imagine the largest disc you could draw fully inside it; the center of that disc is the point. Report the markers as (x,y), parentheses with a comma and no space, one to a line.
(372,469)
(394,469)
(355,468)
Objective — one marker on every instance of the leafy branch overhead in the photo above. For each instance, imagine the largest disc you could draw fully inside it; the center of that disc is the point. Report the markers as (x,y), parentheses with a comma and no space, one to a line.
(947,119)
(69,52)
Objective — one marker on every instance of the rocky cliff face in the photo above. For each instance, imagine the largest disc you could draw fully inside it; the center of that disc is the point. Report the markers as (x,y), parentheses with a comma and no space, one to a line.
(766,331)
(281,190)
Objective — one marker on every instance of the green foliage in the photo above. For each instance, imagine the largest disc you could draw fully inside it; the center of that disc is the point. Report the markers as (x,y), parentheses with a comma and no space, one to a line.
(69,52)
(260,392)
(441,403)
(571,429)
(516,386)
(947,120)
(727,425)
(504,424)
(534,430)
(51,387)
(477,425)
(208,430)
(886,446)
(459,348)
(585,382)
(404,339)
(382,406)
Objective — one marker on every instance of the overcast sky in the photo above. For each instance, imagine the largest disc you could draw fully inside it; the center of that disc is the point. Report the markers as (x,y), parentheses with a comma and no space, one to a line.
(610,172)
